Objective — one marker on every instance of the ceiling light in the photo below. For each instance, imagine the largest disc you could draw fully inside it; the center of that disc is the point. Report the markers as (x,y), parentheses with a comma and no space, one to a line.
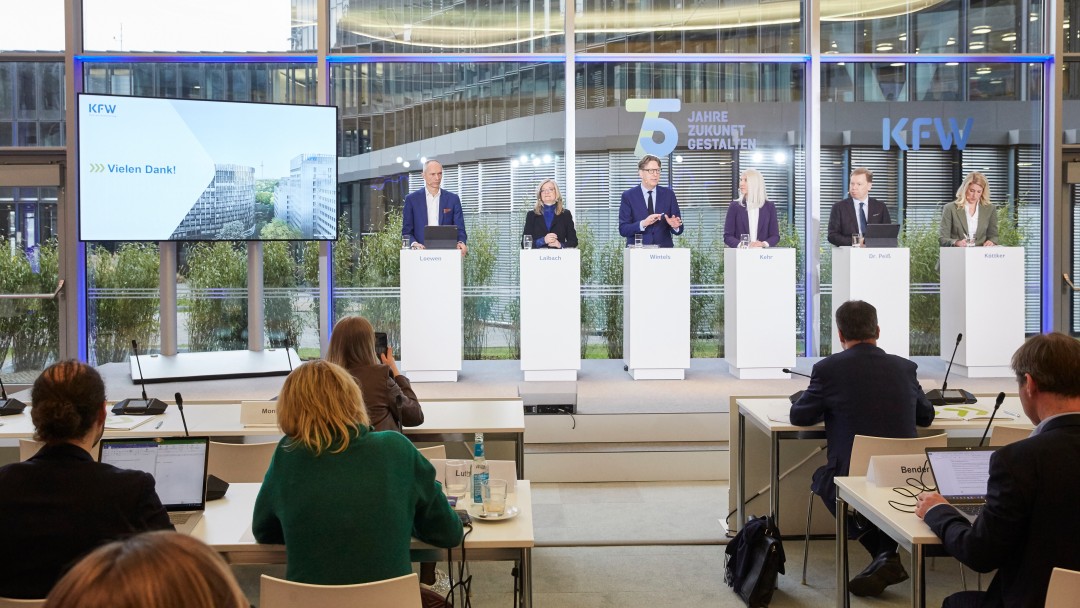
(981,29)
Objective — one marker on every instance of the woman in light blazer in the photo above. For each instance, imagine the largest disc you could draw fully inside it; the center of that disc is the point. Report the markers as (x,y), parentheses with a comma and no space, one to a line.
(970,214)
(753,204)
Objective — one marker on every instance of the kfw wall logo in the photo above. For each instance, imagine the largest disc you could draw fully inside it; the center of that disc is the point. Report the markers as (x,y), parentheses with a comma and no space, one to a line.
(921,129)
(653,123)
(101,108)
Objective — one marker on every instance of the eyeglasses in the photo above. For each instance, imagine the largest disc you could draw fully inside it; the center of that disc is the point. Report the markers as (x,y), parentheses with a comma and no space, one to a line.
(652,171)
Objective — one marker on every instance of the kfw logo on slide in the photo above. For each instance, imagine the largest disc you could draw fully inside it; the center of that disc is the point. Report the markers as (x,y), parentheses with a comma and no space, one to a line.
(101,108)
(653,123)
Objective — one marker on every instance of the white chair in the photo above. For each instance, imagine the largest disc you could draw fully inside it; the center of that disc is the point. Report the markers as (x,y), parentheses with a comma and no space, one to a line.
(1064,589)
(27,449)
(400,592)
(862,449)
(1005,434)
(435,452)
(10,603)
(240,462)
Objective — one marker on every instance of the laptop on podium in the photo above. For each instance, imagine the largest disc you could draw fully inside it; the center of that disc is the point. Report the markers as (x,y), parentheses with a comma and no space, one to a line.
(440,237)
(882,235)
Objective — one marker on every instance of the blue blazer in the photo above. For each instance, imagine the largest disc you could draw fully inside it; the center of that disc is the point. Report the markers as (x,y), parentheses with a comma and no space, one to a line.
(414,218)
(738,223)
(632,210)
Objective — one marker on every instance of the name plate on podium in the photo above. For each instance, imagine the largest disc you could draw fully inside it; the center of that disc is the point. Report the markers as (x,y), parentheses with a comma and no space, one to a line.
(258,413)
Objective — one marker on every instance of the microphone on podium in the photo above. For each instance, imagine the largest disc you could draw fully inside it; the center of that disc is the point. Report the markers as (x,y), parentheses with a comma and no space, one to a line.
(9,406)
(144,406)
(797,394)
(997,404)
(945,396)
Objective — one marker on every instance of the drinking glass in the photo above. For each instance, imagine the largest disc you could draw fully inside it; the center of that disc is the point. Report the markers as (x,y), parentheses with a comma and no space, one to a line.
(457,478)
(527,241)
(494,493)
(639,240)
(856,240)
(406,242)
(970,241)
(744,241)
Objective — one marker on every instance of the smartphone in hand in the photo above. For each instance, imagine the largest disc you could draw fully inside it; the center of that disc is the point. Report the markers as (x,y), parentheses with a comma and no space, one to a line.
(381,345)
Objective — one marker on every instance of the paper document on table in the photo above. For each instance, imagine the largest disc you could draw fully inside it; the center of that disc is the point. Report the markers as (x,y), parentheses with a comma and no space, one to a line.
(968,412)
(126,423)
(777,417)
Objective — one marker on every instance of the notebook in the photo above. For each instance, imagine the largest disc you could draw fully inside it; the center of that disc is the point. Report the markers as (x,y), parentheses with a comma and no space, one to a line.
(440,237)
(961,475)
(178,465)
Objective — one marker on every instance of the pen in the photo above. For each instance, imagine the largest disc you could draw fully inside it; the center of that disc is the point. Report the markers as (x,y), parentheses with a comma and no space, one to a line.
(159,424)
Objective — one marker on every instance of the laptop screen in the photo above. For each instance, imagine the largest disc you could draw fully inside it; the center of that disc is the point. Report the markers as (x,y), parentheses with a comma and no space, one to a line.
(960,473)
(178,465)
(440,237)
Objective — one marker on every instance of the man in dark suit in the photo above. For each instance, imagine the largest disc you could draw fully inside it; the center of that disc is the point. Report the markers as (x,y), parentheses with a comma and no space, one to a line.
(650,209)
(60,504)
(851,215)
(432,206)
(1028,525)
(862,390)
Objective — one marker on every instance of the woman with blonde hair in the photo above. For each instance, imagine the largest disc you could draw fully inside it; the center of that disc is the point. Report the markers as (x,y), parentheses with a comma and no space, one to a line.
(151,570)
(388,397)
(752,213)
(345,500)
(549,224)
(970,215)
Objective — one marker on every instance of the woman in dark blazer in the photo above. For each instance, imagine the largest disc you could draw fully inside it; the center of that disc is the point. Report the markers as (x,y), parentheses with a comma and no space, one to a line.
(752,204)
(388,396)
(549,223)
(971,209)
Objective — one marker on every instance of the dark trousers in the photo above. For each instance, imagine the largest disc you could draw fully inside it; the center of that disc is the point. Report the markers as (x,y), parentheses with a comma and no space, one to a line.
(964,599)
(869,536)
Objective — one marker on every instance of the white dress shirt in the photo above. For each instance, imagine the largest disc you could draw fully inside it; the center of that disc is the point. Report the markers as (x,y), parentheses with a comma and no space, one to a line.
(432,207)
(972,220)
(752,215)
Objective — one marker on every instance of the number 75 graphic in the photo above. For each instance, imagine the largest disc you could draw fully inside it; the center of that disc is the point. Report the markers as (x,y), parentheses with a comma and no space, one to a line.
(653,123)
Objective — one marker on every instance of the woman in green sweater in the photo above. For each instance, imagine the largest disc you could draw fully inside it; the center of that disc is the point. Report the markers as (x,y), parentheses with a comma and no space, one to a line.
(345,500)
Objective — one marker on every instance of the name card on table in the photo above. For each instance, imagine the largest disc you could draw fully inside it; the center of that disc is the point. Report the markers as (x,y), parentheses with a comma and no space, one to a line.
(894,471)
(258,413)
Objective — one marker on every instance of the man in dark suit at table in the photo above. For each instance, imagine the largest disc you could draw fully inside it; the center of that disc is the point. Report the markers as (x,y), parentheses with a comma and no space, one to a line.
(862,390)
(851,215)
(432,206)
(650,209)
(60,504)
(1029,524)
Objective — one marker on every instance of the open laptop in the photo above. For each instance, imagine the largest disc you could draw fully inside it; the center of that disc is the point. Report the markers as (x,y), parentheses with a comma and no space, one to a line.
(881,235)
(178,465)
(440,237)
(961,475)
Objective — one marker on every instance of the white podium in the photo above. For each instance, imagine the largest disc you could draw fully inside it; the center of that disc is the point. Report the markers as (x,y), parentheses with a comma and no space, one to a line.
(550,314)
(882,277)
(982,296)
(431,314)
(759,312)
(656,313)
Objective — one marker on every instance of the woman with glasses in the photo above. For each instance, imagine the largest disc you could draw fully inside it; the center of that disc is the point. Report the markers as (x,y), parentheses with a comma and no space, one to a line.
(549,224)
(752,214)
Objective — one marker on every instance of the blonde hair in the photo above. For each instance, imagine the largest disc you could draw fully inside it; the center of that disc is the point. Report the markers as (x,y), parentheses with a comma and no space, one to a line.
(539,208)
(352,343)
(755,189)
(151,570)
(321,406)
(977,178)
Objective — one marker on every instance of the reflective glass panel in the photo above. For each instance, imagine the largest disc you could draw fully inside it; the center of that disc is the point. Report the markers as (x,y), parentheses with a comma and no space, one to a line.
(31,103)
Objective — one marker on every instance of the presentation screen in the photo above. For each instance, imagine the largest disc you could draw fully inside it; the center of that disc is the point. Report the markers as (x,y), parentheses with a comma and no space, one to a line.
(191,170)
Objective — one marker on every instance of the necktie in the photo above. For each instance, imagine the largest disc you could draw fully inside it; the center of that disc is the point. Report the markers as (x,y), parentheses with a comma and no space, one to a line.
(862,218)
(649,204)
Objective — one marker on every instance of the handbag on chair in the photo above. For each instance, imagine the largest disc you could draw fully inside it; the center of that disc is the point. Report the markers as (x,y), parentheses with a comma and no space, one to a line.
(754,557)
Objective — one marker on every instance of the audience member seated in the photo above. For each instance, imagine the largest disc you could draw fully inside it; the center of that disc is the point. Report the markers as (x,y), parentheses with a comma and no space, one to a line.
(390,401)
(344,499)
(151,570)
(60,504)
(1028,525)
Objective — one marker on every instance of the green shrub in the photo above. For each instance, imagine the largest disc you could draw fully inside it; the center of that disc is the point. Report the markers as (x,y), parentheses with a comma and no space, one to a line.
(611,304)
(216,321)
(117,318)
(925,315)
(479,267)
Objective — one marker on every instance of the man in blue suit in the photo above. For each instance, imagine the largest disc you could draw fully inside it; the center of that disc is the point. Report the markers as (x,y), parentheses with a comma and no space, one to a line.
(862,390)
(650,209)
(432,206)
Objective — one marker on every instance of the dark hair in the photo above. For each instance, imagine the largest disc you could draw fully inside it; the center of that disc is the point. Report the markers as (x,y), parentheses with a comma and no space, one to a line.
(1053,360)
(67,399)
(857,320)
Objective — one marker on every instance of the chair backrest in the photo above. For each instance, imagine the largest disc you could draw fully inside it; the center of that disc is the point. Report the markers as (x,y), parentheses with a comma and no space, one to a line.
(240,462)
(27,449)
(400,592)
(1005,434)
(10,603)
(866,446)
(435,452)
(1064,588)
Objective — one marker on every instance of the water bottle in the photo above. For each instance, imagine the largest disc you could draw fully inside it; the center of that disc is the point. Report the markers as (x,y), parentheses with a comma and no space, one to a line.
(479,469)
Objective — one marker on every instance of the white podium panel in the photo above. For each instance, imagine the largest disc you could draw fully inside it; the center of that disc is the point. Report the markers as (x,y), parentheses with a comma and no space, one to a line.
(550,314)
(882,277)
(431,314)
(656,313)
(982,297)
(759,312)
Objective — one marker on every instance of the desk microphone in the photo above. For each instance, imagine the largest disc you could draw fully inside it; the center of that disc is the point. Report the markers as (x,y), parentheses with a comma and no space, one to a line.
(215,486)
(944,396)
(144,406)
(180,404)
(9,406)
(798,394)
(997,404)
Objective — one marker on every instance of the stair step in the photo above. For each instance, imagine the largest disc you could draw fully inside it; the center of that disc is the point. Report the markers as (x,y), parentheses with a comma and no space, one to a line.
(646,447)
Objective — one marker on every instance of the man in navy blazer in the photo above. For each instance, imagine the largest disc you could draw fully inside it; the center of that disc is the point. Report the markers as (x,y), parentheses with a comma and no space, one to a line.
(432,206)
(862,390)
(844,216)
(1028,525)
(656,222)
